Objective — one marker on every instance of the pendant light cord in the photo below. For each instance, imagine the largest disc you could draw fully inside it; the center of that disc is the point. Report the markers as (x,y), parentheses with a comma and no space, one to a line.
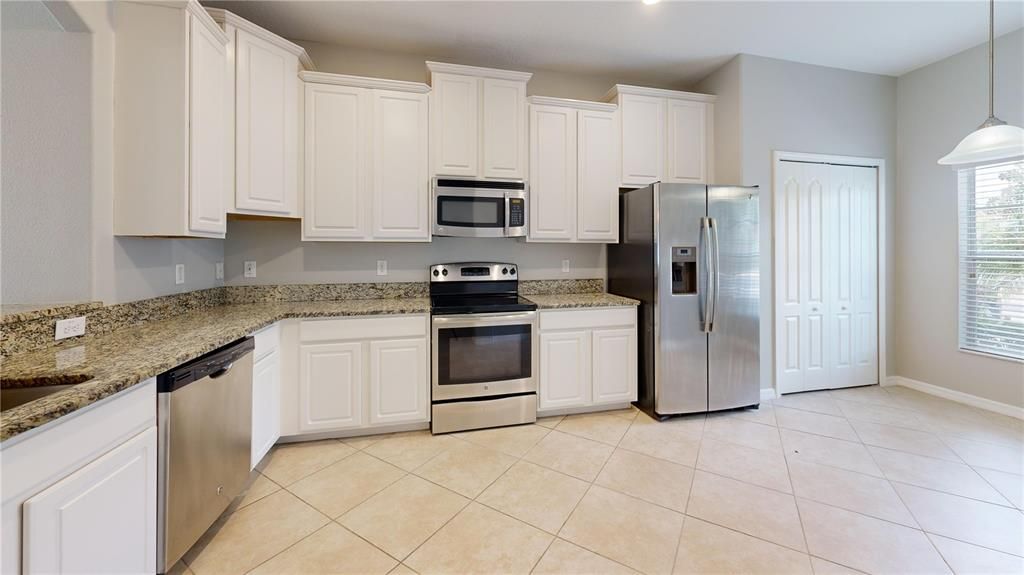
(991,57)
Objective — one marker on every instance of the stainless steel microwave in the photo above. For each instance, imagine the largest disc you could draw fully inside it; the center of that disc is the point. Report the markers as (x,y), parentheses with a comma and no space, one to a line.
(479,208)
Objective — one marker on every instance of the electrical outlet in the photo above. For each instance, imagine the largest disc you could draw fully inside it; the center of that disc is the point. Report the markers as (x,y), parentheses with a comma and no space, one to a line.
(250,269)
(218,271)
(382,267)
(70,327)
(565,266)
(179,274)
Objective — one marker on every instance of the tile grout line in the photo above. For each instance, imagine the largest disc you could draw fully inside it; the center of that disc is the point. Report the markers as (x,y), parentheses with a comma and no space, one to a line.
(689,494)
(789,475)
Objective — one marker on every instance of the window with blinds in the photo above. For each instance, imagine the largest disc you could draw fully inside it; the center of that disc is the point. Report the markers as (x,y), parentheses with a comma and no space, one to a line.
(992,259)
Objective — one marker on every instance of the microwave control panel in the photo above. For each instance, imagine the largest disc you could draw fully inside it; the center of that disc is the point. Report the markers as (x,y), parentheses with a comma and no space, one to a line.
(516,212)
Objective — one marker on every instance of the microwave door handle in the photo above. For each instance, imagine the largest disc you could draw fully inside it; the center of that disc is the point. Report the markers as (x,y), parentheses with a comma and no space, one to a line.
(508,219)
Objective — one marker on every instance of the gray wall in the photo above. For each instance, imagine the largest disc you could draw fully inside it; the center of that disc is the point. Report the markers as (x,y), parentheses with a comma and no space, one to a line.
(282,258)
(938,105)
(46,122)
(793,107)
(57,198)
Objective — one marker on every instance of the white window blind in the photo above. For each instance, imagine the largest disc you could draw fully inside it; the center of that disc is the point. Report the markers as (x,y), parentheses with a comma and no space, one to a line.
(992,259)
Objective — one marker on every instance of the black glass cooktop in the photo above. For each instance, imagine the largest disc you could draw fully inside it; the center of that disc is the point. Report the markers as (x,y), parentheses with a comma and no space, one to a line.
(479,303)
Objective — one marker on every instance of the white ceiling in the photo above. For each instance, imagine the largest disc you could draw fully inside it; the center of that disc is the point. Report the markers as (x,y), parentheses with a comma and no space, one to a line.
(675,42)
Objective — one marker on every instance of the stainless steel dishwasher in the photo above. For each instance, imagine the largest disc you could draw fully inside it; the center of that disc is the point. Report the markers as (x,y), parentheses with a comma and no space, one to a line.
(204,421)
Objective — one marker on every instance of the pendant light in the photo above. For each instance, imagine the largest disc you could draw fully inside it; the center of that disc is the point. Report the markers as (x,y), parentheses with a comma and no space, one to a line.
(995,139)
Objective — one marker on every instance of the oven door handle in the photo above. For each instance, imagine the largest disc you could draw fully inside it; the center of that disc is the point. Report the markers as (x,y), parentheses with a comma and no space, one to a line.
(484,319)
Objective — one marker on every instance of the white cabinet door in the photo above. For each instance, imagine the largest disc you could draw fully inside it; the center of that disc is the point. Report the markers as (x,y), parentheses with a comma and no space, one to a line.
(266,405)
(99,519)
(455,124)
(643,139)
(207,131)
(552,173)
(851,226)
(330,386)
(687,142)
(801,325)
(337,162)
(504,128)
(399,391)
(613,364)
(564,369)
(598,197)
(266,126)
(401,193)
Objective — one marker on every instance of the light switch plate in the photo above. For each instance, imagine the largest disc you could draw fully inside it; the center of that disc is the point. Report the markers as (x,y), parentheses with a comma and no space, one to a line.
(70,327)
(382,267)
(250,269)
(218,271)
(179,274)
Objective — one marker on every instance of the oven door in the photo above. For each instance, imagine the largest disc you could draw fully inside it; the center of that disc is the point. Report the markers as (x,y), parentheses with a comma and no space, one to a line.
(478,355)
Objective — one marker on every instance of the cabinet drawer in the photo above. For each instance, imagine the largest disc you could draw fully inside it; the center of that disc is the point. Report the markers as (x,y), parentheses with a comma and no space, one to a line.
(587,318)
(363,328)
(267,341)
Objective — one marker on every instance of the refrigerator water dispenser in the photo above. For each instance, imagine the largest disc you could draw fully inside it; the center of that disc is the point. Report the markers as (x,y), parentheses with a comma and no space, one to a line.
(684,270)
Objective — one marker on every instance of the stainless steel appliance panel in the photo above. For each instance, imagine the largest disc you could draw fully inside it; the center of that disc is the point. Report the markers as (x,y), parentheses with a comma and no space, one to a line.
(204,431)
(681,368)
(485,354)
(485,412)
(733,352)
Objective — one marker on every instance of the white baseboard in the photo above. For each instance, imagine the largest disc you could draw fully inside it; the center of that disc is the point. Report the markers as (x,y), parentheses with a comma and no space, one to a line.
(957,396)
(768,394)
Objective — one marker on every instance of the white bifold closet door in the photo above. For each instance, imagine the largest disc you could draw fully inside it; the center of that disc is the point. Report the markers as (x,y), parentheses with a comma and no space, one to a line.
(826,276)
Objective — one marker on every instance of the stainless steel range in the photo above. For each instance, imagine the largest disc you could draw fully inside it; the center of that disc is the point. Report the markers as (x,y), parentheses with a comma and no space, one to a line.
(484,357)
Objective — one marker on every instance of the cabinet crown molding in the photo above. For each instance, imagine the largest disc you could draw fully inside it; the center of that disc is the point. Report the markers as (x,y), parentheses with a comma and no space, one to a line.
(570,103)
(443,68)
(224,17)
(364,82)
(619,89)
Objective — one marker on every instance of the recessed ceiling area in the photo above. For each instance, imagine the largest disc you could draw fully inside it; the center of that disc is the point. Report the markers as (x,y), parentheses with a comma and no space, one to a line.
(677,42)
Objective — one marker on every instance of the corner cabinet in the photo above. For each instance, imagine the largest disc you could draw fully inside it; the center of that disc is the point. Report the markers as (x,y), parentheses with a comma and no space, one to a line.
(478,122)
(264,110)
(365,167)
(358,373)
(170,176)
(667,136)
(588,358)
(574,173)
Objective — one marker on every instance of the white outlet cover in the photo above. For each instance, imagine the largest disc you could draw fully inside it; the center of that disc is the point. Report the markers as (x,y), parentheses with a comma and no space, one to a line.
(179,274)
(250,269)
(70,327)
(565,266)
(382,267)
(218,272)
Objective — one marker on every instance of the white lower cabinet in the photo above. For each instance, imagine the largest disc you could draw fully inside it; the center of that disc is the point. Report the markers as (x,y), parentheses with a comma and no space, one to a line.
(587,358)
(99,519)
(357,373)
(266,392)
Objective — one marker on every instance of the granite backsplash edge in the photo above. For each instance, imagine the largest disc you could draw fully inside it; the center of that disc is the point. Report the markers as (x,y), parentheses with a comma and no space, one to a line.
(37,332)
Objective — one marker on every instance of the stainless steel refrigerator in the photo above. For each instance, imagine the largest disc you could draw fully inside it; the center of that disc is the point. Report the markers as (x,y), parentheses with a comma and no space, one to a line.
(690,254)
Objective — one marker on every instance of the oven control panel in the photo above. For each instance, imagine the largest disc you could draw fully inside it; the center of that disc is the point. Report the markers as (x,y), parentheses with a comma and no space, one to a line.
(474,271)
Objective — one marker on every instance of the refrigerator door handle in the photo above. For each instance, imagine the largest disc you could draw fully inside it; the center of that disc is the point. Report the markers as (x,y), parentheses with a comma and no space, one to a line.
(713,226)
(705,226)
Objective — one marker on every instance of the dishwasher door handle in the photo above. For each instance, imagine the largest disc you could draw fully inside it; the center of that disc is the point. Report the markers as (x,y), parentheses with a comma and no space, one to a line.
(222,371)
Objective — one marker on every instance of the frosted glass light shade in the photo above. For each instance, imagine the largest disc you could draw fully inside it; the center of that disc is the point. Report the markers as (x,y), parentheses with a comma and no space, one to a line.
(987,144)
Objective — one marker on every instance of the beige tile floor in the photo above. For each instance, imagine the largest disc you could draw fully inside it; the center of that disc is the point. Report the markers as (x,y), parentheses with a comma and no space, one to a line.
(873,480)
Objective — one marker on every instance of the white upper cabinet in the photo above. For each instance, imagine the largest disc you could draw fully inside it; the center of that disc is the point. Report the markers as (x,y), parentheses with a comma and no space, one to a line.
(478,122)
(666,135)
(365,159)
(552,173)
(169,122)
(574,171)
(265,116)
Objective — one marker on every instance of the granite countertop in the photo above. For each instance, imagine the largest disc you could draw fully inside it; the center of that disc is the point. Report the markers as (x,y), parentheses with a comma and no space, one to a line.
(18,312)
(577,300)
(116,361)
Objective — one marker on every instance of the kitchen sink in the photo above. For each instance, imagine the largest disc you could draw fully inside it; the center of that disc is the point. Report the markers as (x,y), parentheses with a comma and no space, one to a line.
(15,392)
